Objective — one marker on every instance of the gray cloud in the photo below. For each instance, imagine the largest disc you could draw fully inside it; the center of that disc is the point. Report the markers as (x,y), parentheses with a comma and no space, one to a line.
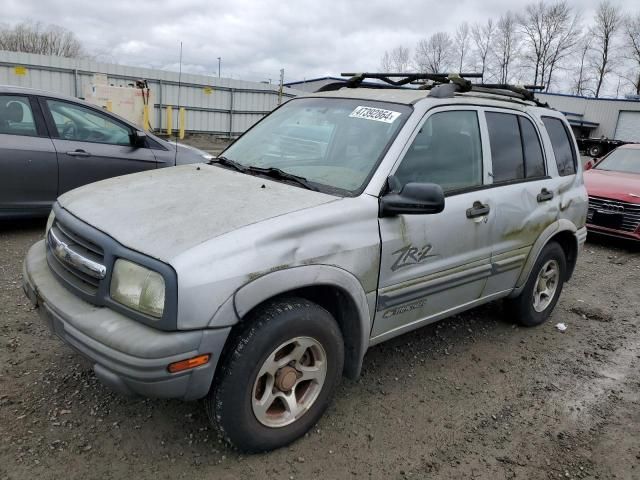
(255,39)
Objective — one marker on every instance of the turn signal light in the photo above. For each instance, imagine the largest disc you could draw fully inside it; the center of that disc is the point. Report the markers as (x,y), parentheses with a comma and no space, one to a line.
(183,365)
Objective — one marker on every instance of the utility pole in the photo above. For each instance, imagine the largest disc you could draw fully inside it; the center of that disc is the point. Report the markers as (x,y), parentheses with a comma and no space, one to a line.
(281,86)
(219,60)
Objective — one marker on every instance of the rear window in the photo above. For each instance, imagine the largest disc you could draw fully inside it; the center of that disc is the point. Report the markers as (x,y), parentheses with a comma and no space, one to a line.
(562,145)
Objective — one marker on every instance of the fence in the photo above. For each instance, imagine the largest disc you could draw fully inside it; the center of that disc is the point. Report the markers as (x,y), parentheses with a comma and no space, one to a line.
(219,106)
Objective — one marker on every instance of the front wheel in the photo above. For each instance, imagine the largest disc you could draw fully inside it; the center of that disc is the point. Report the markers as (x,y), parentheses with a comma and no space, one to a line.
(279,375)
(540,294)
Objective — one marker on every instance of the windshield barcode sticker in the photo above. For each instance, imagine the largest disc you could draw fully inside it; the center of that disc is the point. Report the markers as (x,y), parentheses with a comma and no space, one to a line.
(377,114)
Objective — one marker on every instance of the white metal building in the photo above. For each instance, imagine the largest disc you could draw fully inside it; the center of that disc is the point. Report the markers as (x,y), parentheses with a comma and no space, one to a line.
(597,117)
(219,106)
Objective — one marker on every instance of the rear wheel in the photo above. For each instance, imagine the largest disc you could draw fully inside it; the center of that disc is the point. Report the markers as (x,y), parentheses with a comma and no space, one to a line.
(540,294)
(279,377)
(595,151)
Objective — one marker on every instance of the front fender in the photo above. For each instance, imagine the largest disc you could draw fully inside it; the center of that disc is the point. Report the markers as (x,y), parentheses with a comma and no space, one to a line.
(279,282)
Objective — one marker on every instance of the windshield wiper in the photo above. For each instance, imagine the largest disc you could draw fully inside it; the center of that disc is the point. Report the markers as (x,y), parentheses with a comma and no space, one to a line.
(276,173)
(227,162)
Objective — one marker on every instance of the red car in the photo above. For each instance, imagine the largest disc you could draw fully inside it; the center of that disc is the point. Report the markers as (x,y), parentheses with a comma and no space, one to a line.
(613,184)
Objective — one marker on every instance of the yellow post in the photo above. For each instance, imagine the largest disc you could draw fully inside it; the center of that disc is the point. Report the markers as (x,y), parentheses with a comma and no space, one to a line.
(109,106)
(145,117)
(169,120)
(181,121)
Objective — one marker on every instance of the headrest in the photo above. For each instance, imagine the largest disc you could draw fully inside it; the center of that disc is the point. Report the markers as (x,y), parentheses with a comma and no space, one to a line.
(11,112)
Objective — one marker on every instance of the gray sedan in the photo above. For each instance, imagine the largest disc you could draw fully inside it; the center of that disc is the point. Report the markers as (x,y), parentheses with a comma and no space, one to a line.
(50,144)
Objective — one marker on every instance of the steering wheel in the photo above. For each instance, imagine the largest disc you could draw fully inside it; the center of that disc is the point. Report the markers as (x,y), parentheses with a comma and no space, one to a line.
(69,131)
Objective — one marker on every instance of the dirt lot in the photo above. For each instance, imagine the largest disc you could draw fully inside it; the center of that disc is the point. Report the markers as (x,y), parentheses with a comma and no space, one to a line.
(470,397)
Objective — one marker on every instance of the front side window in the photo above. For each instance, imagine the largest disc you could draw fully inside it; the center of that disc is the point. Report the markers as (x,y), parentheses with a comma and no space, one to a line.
(16,117)
(335,144)
(447,151)
(562,145)
(75,122)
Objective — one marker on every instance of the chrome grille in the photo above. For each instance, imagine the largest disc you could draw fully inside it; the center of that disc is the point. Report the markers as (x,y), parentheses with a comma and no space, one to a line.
(77,261)
(630,212)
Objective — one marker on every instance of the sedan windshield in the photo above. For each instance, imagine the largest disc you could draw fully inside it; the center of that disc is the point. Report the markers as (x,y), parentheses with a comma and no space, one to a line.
(625,160)
(334,144)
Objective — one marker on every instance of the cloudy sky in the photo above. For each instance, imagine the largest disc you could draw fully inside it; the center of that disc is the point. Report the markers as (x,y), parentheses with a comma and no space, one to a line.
(257,38)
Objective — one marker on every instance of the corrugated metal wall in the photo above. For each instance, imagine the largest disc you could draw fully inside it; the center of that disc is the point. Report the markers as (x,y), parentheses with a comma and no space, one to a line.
(221,106)
(605,112)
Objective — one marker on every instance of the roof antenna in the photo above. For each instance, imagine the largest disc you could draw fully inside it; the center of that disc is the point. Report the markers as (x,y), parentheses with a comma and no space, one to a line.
(175,160)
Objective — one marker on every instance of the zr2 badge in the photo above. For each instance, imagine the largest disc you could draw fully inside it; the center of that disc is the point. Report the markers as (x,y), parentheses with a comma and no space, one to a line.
(411,255)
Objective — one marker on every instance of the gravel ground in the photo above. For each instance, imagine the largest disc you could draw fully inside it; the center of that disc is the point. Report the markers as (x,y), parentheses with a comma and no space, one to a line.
(470,397)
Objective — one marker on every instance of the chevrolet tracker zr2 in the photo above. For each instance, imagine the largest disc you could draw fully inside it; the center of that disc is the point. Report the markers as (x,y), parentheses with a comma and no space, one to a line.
(339,221)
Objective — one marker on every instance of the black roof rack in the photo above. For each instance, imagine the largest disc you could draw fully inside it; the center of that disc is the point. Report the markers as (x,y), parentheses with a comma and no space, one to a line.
(444,85)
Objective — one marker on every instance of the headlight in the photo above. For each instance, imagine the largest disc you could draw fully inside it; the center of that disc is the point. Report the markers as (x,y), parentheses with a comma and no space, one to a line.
(52,217)
(138,288)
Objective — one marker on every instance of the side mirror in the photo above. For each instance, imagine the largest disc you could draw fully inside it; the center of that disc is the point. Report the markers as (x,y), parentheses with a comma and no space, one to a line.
(589,165)
(413,199)
(138,139)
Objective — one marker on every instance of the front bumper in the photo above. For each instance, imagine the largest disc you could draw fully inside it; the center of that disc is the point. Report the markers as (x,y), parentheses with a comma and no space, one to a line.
(128,356)
(614,233)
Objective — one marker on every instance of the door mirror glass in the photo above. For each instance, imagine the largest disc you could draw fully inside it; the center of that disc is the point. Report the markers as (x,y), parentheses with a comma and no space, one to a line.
(412,199)
(139,139)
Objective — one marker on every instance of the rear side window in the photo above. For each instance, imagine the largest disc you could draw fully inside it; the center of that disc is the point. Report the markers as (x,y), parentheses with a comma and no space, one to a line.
(506,147)
(562,145)
(515,148)
(533,159)
(16,117)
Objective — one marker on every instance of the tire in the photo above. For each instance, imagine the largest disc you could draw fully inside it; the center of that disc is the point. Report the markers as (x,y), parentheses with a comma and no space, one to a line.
(525,309)
(595,151)
(243,404)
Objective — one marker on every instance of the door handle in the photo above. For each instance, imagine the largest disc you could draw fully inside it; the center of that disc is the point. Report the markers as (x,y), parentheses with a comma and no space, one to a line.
(78,153)
(544,195)
(478,209)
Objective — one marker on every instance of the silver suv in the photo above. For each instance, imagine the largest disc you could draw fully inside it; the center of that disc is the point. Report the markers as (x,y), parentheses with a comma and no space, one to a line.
(341,220)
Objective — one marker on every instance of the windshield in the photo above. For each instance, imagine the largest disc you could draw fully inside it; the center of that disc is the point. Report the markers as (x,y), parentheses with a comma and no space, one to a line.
(335,143)
(625,160)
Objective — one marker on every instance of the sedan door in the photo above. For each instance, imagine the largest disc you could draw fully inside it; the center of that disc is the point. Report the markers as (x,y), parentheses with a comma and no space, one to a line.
(28,164)
(92,145)
(432,265)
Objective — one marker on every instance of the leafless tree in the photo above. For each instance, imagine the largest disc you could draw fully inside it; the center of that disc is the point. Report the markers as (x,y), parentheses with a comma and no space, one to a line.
(606,25)
(581,79)
(505,45)
(483,36)
(632,43)
(397,60)
(32,37)
(385,63)
(549,32)
(462,42)
(434,55)
(565,45)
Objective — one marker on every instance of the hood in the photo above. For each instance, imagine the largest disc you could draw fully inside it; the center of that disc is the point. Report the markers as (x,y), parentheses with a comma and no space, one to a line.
(615,185)
(165,212)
